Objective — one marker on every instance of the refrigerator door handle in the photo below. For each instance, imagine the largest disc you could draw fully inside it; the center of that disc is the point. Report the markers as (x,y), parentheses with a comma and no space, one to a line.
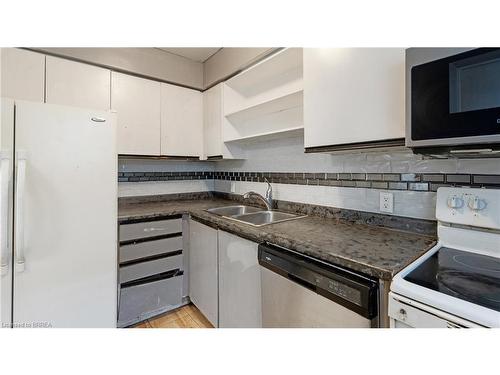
(4,215)
(20,186)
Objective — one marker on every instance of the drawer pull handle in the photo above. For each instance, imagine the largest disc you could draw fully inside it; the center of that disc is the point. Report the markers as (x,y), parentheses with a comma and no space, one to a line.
(153,229)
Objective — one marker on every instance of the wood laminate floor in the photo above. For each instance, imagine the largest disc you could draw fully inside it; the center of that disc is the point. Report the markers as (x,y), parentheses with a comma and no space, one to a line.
(184,317)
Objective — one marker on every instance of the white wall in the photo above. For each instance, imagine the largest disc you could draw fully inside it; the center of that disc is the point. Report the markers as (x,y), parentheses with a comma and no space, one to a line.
(135,189)
(287,155)
(130,189)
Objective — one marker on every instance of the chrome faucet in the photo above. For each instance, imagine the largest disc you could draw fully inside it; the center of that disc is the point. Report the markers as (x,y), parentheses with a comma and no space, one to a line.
(268,200)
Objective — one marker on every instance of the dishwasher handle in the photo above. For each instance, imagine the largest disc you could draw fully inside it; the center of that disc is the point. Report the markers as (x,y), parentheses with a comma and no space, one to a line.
(345,287)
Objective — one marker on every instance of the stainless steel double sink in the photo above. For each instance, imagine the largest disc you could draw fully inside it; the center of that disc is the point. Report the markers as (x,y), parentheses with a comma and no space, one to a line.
(253,215)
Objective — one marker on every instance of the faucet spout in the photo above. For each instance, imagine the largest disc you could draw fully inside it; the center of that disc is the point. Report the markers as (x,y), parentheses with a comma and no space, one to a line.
(267,200)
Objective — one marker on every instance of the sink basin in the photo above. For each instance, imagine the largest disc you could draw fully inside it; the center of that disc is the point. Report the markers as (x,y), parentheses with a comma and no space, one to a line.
(253,215)
(233,210)
(265,217)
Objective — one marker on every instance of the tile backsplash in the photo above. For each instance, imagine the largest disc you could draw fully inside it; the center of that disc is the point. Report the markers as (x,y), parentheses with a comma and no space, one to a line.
(350,181)
(385,181)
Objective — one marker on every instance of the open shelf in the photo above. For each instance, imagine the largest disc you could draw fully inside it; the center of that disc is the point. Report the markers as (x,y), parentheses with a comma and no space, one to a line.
(289,132)
(263,109)
(266,99)
(275,117)
(283,66)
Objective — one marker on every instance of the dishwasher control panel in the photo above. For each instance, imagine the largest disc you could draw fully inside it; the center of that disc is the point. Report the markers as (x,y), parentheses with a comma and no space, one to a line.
(345,287)
(345,291)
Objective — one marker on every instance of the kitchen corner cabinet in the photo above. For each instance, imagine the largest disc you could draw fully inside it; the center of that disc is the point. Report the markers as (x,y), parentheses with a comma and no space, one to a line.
(181,121)
(239,283)
(23,74)
(76,84)
(137,102)
(212,121)
(353,95)
(203,270)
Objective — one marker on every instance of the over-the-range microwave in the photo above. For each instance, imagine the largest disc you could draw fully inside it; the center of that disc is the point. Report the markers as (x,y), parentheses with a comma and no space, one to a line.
(453,101)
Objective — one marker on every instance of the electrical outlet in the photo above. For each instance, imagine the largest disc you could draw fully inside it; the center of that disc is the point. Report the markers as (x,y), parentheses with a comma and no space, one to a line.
(233,187)
(387,202)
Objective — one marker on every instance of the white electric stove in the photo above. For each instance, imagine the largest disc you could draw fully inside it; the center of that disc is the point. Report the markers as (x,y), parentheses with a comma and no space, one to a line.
(457,282)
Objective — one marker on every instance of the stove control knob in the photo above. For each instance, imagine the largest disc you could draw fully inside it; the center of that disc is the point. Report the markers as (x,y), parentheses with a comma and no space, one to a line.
(455,202)
(477,204)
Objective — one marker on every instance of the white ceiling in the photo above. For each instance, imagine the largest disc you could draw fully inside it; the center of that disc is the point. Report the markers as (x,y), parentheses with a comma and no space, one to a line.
(193,53)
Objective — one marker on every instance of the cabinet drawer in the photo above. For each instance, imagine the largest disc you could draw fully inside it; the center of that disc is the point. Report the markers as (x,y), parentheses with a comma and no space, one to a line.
(148,229)
(148,268)
(149,248)
(139,302)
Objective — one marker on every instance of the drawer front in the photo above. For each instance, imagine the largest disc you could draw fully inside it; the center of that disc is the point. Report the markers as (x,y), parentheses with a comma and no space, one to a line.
(140,301)
(149,248)
(129,232)
(149,268)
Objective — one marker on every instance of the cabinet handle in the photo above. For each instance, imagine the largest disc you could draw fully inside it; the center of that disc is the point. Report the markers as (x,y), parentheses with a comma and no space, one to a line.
(20,186)
(152,229)
(98,119)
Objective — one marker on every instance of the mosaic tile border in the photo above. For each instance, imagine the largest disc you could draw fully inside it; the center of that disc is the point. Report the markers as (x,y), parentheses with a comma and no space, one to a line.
(386,181)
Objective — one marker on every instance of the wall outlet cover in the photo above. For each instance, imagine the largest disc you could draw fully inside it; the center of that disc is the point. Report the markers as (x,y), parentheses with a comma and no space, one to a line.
(387,202)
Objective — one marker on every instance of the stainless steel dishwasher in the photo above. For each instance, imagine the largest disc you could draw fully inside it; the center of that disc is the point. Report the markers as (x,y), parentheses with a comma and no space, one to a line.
(299,291)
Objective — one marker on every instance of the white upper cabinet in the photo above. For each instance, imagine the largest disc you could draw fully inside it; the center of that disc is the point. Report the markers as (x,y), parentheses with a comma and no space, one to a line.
(181,121)
(137,102)
(76,84)
(353,95)
(23,74)
(212,122)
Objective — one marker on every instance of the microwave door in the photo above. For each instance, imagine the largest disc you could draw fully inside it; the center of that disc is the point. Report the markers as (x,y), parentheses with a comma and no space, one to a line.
(456,100)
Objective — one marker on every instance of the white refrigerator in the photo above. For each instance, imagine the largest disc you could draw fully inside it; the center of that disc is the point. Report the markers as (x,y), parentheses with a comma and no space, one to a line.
(58,207)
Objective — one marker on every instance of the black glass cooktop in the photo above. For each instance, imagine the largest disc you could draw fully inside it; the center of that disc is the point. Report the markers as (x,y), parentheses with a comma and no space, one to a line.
(472,277)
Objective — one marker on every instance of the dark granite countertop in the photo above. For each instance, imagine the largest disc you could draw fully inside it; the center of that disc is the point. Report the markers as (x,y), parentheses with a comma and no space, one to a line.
(372,250)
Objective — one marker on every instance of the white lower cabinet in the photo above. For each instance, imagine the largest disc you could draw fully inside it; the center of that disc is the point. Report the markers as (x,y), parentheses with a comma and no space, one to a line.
(203,270)
(239,283)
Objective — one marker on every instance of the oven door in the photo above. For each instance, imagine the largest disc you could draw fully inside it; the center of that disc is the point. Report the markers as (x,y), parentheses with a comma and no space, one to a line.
(456,100)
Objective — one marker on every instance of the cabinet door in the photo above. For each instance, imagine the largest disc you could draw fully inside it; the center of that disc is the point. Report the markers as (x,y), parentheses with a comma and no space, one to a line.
(181,121)
(76,84)
(23,74)
(203,288)
(239,283)
(137,102)
(212,121)
(353,95)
